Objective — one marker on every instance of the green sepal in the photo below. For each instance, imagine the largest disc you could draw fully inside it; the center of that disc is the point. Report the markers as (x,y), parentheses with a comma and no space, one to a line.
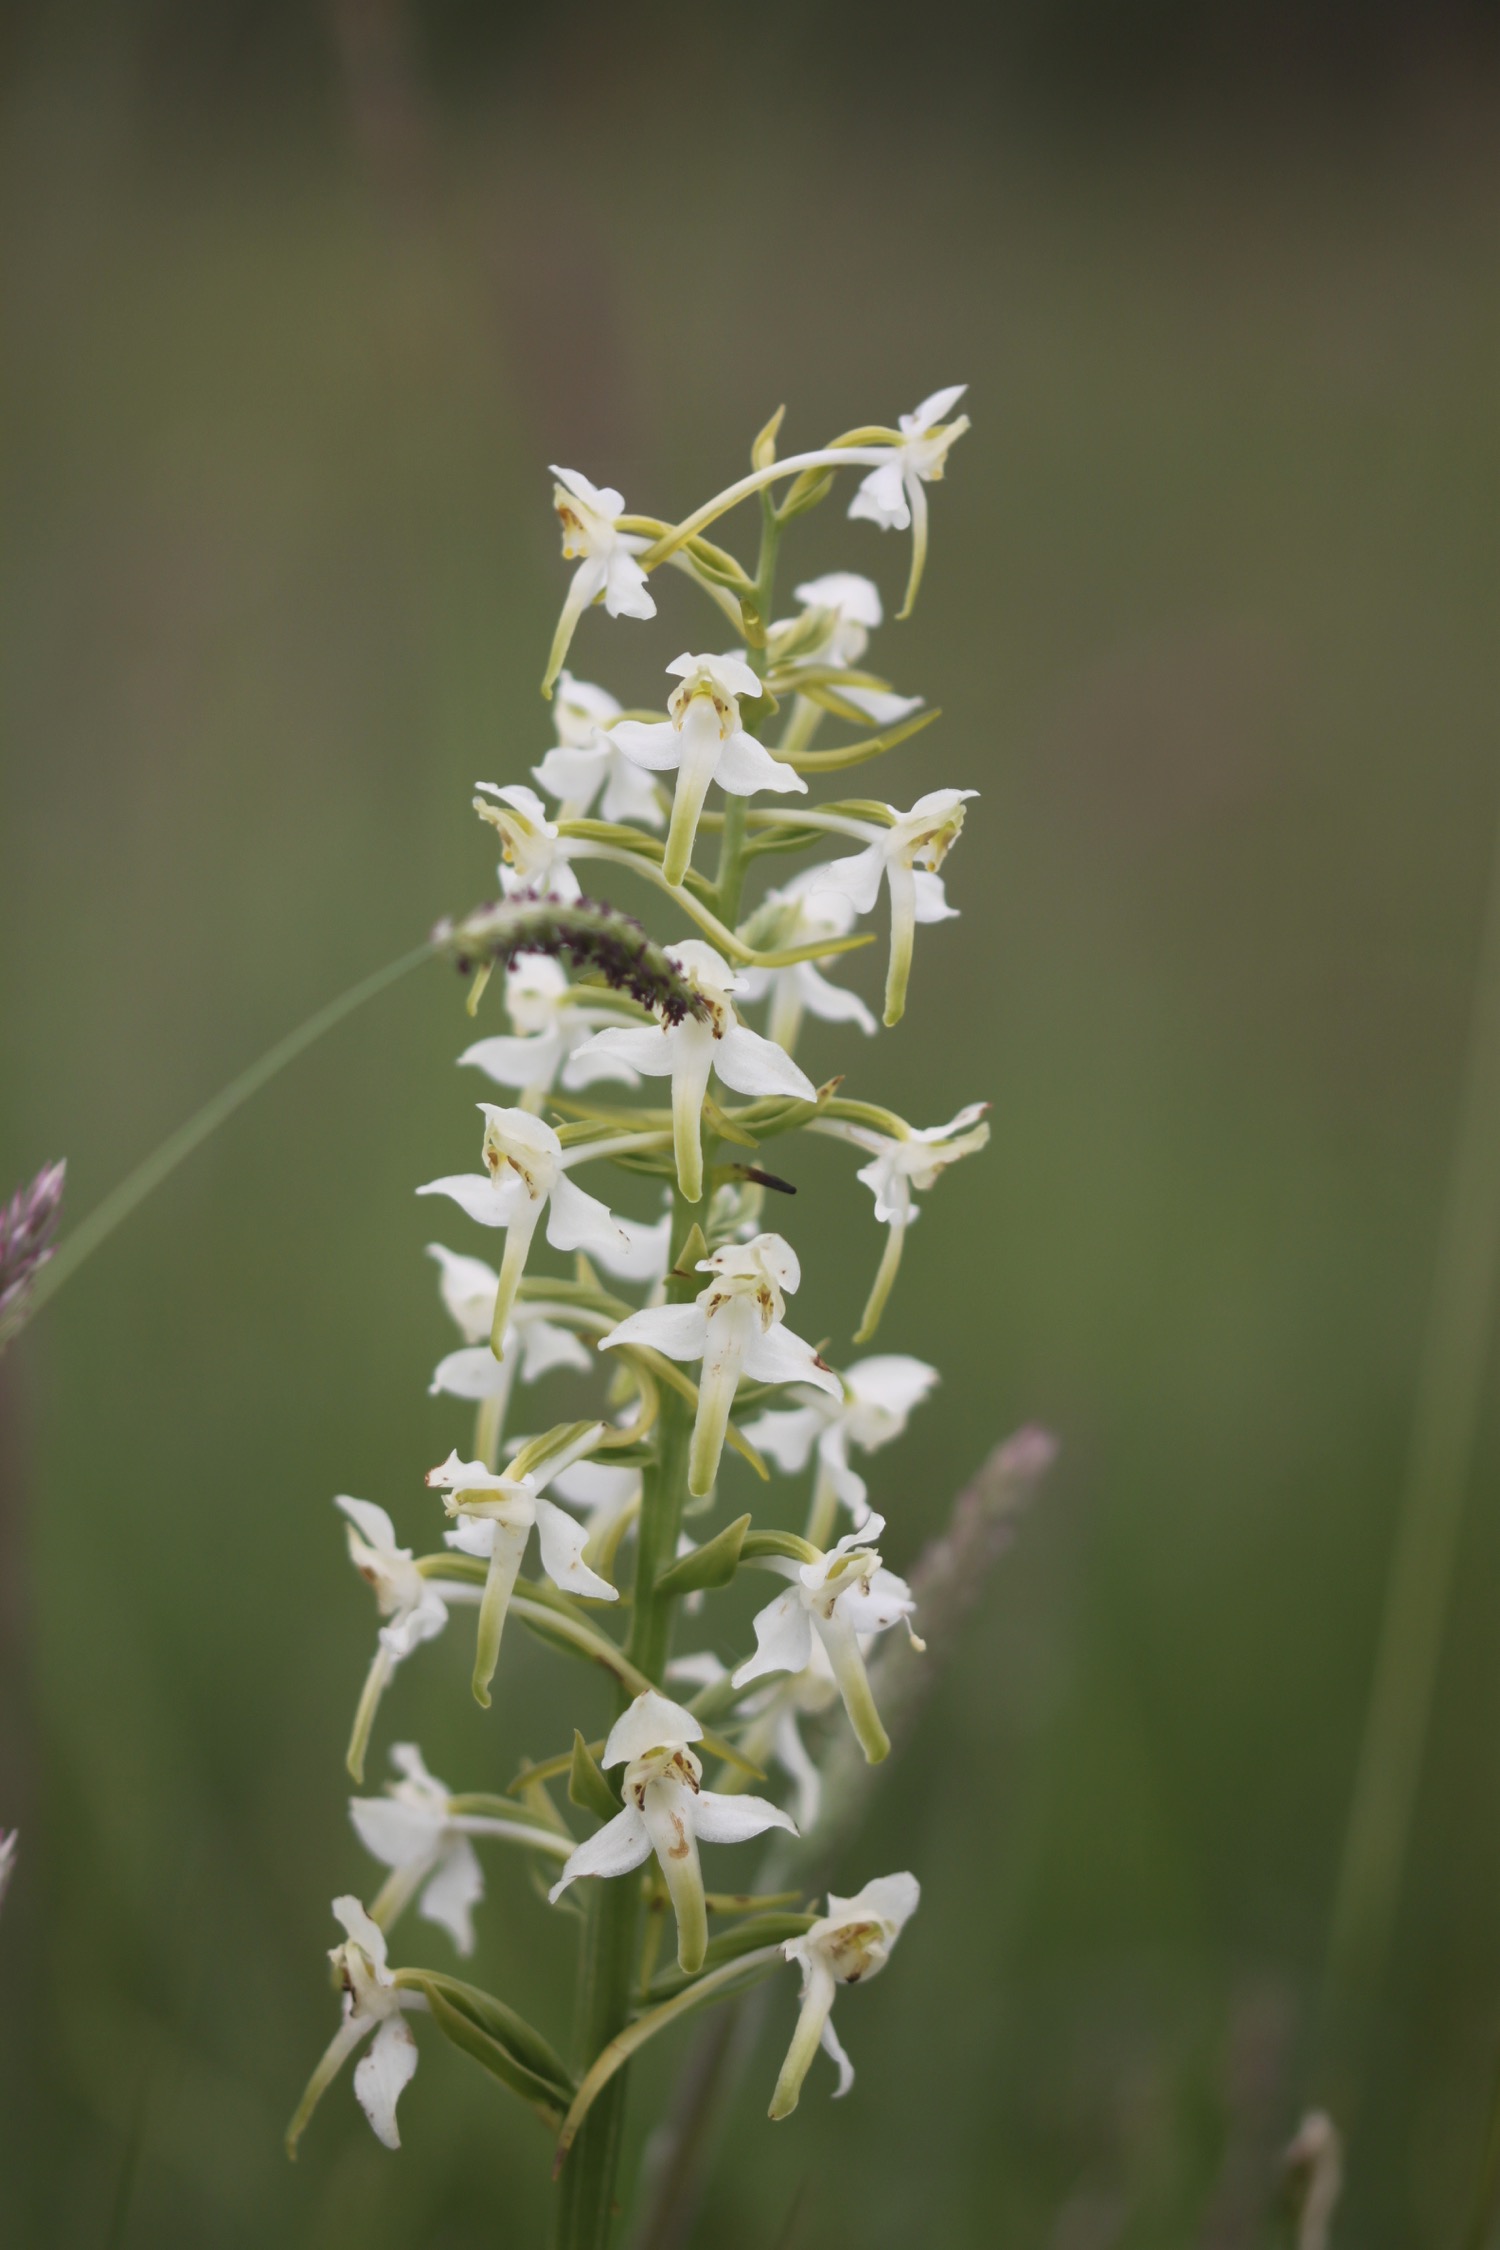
(757,1930)
(718,1121)
(712,1564)
(587,1786)
(502,2042)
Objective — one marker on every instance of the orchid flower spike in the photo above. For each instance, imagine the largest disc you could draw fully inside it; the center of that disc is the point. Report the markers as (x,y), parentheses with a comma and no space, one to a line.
(799,914)
(534,852)
(894,494)
(771,1732)
(915,1159)
(584,760)
(414,1606)
(842,1598)
(735,1326)
(852,605)
(373,2002)
(703,741)
(667,1811)
(468,1288)
(494,1515)
(526,1173)
(421,1834)
(553,1020)
(878,1396)
(851,1944)
(607,568)
(906,856)
(690,1051)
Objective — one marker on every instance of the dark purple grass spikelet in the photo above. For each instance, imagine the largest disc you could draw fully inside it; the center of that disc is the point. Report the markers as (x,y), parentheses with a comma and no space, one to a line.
(27,1224)
(587,933)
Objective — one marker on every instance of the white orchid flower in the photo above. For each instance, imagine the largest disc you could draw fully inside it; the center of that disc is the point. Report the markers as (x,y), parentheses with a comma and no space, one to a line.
(494,1515)
(904,856)
(468,1289)
(878,1396)
(414,1606)
(607,569)
(526,1173)
(584,761)
(668,1812)
(894,493)
(843,1598)
(420,1833)
(373,2003)
(690,1051)
(771,1732)
(703,741)
(801,913)
(851,1944)
(853,605)
(534,852)
(735,1326)
(899,1164)
(552,1021)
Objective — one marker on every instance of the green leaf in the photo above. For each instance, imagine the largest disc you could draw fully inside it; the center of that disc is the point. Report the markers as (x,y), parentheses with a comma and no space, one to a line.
(587,1786)
(712,1564)
(746,1937)
(495,2037)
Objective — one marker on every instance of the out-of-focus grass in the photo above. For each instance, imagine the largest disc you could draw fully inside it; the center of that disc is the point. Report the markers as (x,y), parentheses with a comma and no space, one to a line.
(1209,615)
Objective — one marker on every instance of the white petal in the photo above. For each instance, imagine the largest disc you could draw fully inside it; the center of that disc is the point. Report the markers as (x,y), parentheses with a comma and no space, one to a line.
(562,1541)
(382,2073)
(856,879)
(367,1935)
(476,1194)
(881,705)
(371,1522)
(881,497)
(932,409)
(791,1755)
(630,796)
(454,1888)
(653,744)
(467,1287)
(745,766)
(473,1373)
(783,1639)
(734,1819)
(646,1252)
(576,1221)
(619,1846)
(892,1380)
(653,1722)
(648,1050)
(831,1002)
(678,1331)
(397,1834)
(753,1065)
(625,592)
(931,898)
(828,2040)
(574,776)
(775,1355)
(421,1622)
(506,1061)
(789,1436)
(545,1346)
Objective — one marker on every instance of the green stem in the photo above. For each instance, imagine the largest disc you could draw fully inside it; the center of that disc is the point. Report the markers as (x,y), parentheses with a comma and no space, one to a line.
(1450,1395)
(586,2191)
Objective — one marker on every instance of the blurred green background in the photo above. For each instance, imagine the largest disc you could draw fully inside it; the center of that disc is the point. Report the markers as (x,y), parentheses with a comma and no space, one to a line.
(299,307)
